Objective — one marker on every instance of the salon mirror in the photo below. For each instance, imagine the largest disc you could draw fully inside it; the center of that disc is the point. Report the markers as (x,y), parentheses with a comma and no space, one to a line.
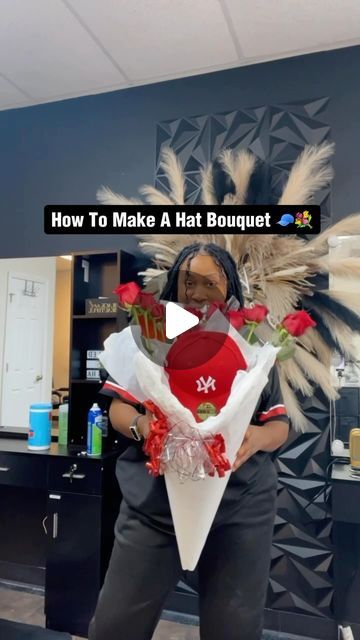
(345,413)
(35,328)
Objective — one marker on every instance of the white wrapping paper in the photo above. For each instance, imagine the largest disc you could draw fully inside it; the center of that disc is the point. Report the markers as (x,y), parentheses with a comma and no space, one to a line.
(193,504)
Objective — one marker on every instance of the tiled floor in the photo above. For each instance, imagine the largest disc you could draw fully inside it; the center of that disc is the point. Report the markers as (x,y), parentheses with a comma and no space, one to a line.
(21,606)
(29,608)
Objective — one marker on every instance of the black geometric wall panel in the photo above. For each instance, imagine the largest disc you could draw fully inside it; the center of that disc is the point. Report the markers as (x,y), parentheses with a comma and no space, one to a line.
(301,570)
(275,134)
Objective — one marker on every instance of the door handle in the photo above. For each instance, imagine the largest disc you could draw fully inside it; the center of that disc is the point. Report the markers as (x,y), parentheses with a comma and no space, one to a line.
(74,476)
(55,525)
(44,525)
(71,474)
(38,377)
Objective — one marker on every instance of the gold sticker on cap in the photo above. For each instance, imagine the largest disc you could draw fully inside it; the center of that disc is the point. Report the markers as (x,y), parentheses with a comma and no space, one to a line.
(206,409)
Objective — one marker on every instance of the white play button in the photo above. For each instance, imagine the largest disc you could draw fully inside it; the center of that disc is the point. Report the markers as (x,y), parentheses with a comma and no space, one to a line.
(178,320)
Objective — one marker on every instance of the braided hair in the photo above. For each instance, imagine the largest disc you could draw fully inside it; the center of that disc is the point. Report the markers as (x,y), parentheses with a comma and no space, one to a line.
(222,258)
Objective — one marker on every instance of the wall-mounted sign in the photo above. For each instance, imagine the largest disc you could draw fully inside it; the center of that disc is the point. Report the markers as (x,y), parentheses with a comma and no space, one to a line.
(101,307)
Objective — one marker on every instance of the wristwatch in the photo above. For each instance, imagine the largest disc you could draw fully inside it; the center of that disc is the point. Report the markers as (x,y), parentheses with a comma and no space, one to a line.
(134,429)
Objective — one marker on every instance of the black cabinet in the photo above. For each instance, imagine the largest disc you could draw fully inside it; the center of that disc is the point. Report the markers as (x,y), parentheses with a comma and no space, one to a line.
(22,472)
(22,511)
(82,504)
(73,561)
(95,275)
(346,538)
(57,517)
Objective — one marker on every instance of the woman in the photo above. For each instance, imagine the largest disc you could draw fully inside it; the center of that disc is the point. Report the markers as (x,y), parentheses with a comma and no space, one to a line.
(234,566)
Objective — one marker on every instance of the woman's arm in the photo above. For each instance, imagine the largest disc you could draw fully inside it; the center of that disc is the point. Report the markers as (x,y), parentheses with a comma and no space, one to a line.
(122,416)
(273,435)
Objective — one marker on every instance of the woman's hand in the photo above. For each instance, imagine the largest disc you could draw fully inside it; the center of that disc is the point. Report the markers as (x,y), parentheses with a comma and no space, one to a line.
(250,445)
(268,437)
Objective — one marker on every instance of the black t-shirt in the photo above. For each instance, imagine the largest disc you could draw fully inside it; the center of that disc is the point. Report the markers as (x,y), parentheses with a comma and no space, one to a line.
(147,495)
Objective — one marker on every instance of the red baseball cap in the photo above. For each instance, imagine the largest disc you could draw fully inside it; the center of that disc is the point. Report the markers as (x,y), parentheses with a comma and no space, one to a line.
(201,367)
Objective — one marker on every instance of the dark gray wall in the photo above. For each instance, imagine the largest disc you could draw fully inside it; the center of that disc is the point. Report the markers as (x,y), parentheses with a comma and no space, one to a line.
(61,152)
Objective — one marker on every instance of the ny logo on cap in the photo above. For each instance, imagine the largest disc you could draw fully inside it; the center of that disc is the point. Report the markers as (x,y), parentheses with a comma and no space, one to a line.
(205,385)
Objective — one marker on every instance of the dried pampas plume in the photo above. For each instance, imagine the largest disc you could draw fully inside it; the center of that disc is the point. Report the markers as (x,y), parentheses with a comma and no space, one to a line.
(310,173)
(276,270)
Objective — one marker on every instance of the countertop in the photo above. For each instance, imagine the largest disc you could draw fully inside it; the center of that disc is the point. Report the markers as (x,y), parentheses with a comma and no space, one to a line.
(17,445)
(341,472)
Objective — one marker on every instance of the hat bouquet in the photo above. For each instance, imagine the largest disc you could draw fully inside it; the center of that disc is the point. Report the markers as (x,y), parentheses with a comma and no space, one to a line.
(202,390)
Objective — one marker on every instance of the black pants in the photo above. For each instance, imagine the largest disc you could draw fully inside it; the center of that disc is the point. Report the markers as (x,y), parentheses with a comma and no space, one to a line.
(233,573)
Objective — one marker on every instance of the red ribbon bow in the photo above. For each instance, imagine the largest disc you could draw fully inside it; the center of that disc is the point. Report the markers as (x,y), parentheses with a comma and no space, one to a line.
(159,430)
(216,450)
(154,443)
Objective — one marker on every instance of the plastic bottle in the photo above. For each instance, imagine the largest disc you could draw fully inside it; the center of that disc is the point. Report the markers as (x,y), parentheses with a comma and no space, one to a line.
(105,424)
(94,432)
(63,423)
(40,426)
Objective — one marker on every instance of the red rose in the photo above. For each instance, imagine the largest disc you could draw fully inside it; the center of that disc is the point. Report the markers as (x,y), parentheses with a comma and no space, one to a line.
(127,293)
(157,311)
(297,323)
(146,300)
(236,319)
(255,314)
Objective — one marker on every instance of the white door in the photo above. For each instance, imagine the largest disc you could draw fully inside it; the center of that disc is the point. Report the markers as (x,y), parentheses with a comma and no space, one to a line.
(24,349)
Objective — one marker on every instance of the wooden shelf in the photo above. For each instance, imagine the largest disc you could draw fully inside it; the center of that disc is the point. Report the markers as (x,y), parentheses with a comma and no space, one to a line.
(94,317)
(85,381)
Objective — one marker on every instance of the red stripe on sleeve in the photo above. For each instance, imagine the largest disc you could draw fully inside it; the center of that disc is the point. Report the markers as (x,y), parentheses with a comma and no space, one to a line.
(277,410)
(121,392)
